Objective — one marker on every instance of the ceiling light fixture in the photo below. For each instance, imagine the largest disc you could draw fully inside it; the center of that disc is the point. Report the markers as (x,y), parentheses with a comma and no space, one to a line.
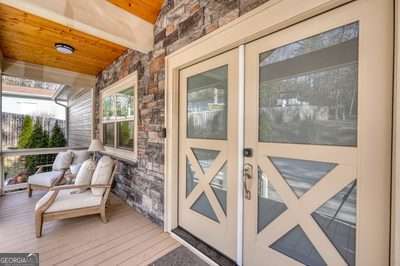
(64,48)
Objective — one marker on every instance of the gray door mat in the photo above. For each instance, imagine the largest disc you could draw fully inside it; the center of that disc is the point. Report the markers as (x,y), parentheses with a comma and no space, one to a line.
(180,256)
(204,248)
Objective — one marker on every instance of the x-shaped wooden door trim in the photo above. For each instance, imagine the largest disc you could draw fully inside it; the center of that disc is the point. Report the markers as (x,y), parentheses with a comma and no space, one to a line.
(204,180)
(299,210)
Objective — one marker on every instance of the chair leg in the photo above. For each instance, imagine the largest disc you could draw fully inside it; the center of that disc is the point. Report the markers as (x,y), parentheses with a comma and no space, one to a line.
(29,190)
(103,215)
(108,203)
(39,225)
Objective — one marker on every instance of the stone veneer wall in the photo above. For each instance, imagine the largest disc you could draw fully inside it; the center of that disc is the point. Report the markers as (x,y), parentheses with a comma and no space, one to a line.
(180,22)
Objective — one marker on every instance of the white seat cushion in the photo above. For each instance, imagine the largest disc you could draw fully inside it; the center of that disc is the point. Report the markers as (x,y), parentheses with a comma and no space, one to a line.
(74,169)
(78,157)
(63,161)
(102,174)
(45,179)
(84,176)
(67,201)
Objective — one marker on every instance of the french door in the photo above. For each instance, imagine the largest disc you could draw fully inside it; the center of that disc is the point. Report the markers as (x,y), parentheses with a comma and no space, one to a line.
(320,177)
(317,131)
(208,151)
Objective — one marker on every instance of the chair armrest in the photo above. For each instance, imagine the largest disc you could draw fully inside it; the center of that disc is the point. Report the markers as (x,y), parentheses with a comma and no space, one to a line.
(45,202)
(40,167)
(57,188)
(44,165)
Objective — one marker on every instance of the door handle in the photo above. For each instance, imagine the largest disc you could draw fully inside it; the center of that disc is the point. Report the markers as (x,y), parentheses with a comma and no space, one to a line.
(248,174)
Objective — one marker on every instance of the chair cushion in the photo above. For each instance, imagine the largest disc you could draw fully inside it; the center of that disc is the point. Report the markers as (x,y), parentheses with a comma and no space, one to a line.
(78,157)
(66,200)
(102,174)
(45,179)
(62,161)
(84,176)
(74,169)
(68,178)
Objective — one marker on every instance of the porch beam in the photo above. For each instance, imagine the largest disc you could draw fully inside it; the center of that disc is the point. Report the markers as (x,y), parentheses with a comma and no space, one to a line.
(47,74)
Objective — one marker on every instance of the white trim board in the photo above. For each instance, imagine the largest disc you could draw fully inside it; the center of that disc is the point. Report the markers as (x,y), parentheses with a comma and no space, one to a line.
(395,228)
(240,140)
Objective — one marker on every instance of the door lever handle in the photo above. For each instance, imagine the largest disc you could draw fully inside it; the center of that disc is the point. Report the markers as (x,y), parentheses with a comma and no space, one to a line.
(248,174)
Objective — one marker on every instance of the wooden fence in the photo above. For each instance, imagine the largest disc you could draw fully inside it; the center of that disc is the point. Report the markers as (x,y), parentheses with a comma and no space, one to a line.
(12,127)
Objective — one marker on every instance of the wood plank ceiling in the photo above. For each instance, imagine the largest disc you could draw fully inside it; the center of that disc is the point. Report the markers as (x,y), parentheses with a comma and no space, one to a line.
(145,9)
(30,38)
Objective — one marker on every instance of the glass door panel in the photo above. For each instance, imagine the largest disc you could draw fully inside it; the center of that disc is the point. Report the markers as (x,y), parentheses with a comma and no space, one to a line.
(208,145)
(308,90)
(312,134)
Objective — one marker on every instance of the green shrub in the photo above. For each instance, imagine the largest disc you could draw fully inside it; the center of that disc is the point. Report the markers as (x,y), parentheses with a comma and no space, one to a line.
(25,135)
(57,138)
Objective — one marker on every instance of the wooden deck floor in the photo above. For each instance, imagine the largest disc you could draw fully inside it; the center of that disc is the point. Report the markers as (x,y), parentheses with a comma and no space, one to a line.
(127,239)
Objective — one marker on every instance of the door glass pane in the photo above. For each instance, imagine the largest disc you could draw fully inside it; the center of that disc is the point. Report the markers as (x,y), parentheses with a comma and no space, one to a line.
(125,135)
(219,185)
(295,244)
(337,218)
(205,157)
(202,205)
(308,90)
(270,204)
(301,175)
(108,134)
(207,104)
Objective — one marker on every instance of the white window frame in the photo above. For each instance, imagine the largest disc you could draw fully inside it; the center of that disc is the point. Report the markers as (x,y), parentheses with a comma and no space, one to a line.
(128,81)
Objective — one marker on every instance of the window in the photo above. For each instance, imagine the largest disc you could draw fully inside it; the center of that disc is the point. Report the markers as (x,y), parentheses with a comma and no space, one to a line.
(118,119)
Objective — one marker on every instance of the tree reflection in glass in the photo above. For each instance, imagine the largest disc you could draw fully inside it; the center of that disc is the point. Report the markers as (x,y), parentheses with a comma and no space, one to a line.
(124,103)
(207,104)
(308,90)
(125,135)
(108,108)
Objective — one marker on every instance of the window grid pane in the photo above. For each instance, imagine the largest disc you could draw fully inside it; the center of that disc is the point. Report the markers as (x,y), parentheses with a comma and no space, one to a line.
(125,135)
(118,114)
(109,134)
(124,103)
(108,108)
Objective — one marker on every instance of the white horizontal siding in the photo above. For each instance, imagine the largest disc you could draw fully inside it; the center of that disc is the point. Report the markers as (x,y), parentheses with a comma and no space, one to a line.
(80,119)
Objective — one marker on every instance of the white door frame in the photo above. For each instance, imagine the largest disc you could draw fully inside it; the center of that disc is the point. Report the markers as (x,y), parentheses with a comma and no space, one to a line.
(395,235)
(251,26)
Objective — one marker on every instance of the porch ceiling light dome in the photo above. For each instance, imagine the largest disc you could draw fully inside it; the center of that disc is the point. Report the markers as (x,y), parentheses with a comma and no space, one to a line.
(64,48)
